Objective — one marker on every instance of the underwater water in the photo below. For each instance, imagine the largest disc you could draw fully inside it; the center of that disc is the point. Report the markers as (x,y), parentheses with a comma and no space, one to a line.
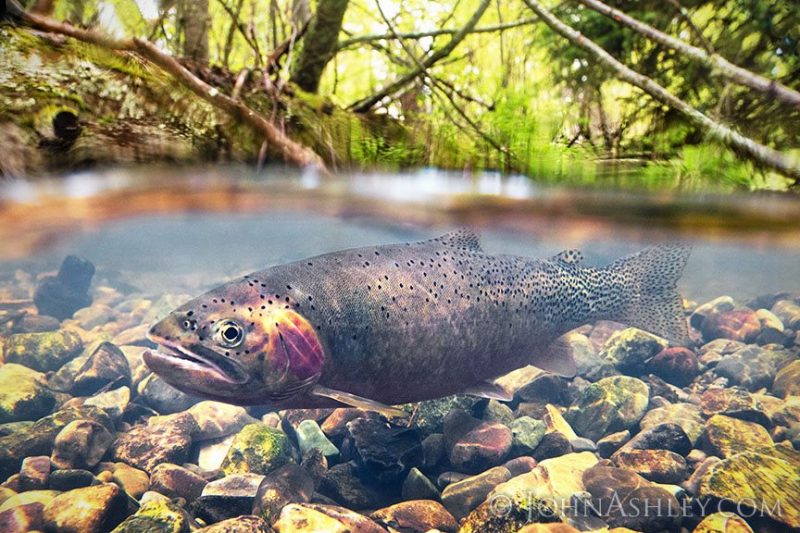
(647,435)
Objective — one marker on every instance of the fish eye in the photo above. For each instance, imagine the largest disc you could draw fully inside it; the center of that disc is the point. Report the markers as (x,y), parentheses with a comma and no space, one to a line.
(230,333)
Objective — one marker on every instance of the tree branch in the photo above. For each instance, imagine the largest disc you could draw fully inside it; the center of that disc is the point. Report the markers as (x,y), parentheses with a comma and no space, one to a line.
(366,104)
(432,33)
(291,151)
(715,62)
(737,142)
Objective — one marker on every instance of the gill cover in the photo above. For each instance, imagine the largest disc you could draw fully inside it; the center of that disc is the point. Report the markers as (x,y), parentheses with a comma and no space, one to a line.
(294,354)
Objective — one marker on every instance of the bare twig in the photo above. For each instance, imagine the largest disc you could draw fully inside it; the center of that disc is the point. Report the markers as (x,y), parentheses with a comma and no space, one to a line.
(362,39)
(231,31)
(252,43)
(715,62)
(745,146)
(291,151)
(366,104)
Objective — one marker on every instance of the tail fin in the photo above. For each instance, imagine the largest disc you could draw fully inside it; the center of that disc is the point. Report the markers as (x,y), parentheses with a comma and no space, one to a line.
(651,301)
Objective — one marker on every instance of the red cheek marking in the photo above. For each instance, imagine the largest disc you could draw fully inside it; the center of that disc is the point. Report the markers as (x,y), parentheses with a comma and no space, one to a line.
(292,334)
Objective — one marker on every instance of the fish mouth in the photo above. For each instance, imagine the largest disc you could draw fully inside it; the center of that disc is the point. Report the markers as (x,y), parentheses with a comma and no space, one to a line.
(172,360)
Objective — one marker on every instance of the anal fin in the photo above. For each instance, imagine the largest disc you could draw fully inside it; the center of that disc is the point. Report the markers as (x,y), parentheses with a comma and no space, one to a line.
(357,401)
(556,357)
(487,389)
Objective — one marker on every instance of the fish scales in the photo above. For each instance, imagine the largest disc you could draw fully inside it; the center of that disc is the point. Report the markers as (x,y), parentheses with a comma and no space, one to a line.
(401,323)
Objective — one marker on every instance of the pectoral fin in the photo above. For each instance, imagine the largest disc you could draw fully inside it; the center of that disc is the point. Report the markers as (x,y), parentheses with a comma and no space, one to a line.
(357,401)
(556,357)
(487,389)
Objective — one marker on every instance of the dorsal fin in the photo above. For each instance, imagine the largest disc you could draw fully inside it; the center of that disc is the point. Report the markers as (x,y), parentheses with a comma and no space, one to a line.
(462,239)
(568,257)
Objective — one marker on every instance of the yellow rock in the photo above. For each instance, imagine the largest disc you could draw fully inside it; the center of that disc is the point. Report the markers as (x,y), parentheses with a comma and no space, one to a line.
(723,523)
(553,479)
(787,380)
(727,436)
(555,422)
(32,496)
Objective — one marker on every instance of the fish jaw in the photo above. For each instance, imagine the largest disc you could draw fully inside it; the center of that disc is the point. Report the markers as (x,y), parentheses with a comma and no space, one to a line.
(199,371)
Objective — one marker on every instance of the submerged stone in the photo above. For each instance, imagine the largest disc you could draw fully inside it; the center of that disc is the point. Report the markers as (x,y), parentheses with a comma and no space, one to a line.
(685,415)
(86,510)
(310,518)
(630,349)
(42,351)
(23,395)
(463,496)
(288,484)
(310,436)
(239,524)
(23,518)
(257,449)
(145,447)
(473,445)
(416,516)
(156,517)
(752,367)
(526,434)
(61,295)
(610,405)
(675,365)
(765,480)
(384,453)
(81,444)
(787,380)
(107,364)
(726,436)
(723,522)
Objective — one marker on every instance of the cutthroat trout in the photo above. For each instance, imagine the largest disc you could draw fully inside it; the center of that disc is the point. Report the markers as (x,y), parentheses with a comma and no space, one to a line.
(384,325)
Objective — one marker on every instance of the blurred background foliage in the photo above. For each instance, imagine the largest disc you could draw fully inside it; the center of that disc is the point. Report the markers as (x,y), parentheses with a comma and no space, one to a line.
(521,99)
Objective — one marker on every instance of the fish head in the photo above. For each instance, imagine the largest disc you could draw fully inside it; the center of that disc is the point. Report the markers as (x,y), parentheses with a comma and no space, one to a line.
(227,346)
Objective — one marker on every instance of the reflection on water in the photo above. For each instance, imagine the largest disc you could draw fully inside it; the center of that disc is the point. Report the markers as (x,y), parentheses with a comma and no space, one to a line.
(191,230)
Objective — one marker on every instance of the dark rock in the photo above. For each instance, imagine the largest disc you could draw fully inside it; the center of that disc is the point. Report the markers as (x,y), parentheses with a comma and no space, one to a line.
(685,415)
(38,439)
(496,411)
(240,524)
(107,364)
(418,487)
(145,447)
(446,478)
(553,444)
(416,516)
(228,497)
(547,388)
(23,395)
(661,466)
(34,473)
(81,444)
(384,453)
(432,449)
(608,445)
(42,351)
(473,445)
(342,484)
(678,366)
(22,518)
(288,484)
(520,465)
(86,510)
(335,425)
(174,481)
(10,428)
(315,464)
(61,295)
(582,444)
(132,480)
(463,496)
(164,398)
(64,480)
(430,414)
(629,514)
(665,436)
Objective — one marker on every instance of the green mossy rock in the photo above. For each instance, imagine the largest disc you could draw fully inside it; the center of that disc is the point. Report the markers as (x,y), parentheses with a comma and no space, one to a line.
(42,351)
(258,449)
(610,405)
(630,349)
(156,516)
(23,395)
(726,436)
(38,439)
(767,477)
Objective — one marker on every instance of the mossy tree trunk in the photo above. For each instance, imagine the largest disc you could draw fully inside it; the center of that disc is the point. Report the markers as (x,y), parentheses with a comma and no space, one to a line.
(319,44)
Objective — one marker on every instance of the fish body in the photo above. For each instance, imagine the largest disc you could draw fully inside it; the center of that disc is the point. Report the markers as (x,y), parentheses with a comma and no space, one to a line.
(401,323)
